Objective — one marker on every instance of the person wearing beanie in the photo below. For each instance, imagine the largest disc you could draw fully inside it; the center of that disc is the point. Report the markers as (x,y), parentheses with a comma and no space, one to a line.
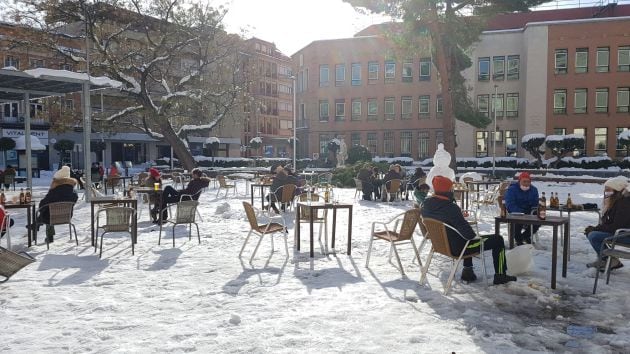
(154,177)
(441,206)
(615,216)
(522,197)
(61,190)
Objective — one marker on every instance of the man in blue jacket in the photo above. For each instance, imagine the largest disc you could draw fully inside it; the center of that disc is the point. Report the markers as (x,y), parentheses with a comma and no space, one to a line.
(441,207)
(522,197)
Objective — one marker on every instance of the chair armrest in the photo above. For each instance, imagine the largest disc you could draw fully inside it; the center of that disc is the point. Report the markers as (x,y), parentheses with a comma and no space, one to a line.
(619,234)
(477,237)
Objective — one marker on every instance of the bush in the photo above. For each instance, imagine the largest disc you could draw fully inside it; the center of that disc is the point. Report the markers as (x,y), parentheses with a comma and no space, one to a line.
(358,153)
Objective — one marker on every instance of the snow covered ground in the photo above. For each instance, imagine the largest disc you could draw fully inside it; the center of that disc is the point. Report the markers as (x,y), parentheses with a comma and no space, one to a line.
(203,298)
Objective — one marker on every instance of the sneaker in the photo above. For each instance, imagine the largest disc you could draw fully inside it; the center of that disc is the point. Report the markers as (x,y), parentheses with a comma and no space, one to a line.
(468,275)
(615,263)
(600,263)
(503,278)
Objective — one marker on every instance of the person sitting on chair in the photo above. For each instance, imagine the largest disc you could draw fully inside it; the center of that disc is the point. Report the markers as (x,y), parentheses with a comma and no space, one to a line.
(3,227)
(441,206)
(368,182)
(420,194)
(61,190)
(415,180)
(614,216)
(391,175)
(522,197)
(193,189)
(9,171)
(154,177)
(280,180)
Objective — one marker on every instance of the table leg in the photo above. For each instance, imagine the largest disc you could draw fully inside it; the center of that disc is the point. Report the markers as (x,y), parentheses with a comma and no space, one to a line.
(497,227)
(92,224)
(262,198)
(251,187)
(334,227)
(554,256)
(565,250)
(511,230)
(298,216)
(568,244)
(311,228)
(349,230)
(31,227)
(135,222)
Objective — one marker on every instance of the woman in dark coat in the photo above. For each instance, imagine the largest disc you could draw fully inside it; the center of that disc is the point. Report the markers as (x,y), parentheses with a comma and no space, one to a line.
(61,190)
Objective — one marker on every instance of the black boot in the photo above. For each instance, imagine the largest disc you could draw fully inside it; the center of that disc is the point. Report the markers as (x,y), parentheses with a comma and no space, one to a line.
(503,278)
(468,275)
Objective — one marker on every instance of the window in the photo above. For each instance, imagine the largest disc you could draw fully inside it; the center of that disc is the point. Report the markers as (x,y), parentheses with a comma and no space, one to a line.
(514,67)
(323,144)
(423,144)
(560,101)
(423,106)
(373,71)
(425,69)
(388,143)
(511,142)
(484,69)
(561,61)
(439,137)
(623,59)
(10,110)
(12,61)
(67,67)
(482,104)
(620,148)
(390,70)
(601,100)
(355,139)
(340,110)
(407,71)
(372,143)
(559,131)
(323,75)
(323,111)
(601,139)
(68,105)
(482,143)
(439,105)
(340,74)
(372,108)
(405,143)
(390,109)
(511,105)
(498,105)
(36,63)
(356,109)
(623,99)
(581,132)
(405,107)
(581,60)
(580,100)
(356,74)
(603,58)
(498,68)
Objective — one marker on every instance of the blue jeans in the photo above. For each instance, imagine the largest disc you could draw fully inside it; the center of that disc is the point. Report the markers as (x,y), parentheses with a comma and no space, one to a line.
(596,238)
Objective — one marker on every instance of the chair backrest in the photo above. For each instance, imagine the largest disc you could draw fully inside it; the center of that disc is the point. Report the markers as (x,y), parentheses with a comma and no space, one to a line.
(141,177)
(393,185)
(113,181)
(11,263)
(118,218)
(358,184)
(409,223)
(325,177)
(9,179)
(503,187)
(221,180)
(60,212)
(305,213)
(288,192)
(436,232)
(186,212)
(251,215)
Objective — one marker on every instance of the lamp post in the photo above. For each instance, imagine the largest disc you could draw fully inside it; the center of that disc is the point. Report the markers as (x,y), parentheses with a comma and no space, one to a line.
(294,122)
(494,131)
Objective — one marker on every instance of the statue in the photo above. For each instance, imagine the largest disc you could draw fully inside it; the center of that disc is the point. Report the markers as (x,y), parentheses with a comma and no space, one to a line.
(342,153)
(441,160)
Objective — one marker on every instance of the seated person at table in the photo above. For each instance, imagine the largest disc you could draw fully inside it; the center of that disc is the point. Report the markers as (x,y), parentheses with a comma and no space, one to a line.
(113,171)
(391,174)
(614,216)
(61,190)
(368,183)
(3,227)
(95,173)
(194,187)
(415,180)
(420,194)
(522,197)
(10,171)
(280,180)
(441,206)
(153,178)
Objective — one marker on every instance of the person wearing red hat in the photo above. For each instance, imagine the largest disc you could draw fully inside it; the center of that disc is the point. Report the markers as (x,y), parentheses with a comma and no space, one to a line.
(441,206)
(522,197)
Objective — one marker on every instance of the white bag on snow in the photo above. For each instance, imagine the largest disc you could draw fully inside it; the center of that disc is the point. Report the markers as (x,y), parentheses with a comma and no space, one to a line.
(519,259)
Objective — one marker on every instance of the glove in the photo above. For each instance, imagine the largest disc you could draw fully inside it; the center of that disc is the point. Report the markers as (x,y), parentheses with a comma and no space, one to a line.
(588,229)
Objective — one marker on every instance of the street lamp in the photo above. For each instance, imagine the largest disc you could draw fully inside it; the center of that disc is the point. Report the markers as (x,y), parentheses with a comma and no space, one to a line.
(494,131)
(294,121)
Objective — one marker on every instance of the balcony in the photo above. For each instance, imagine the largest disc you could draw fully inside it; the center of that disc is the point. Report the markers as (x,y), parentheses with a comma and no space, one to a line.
(18,122)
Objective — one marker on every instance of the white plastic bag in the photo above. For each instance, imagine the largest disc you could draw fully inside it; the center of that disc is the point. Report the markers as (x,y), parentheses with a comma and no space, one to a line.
(519,259)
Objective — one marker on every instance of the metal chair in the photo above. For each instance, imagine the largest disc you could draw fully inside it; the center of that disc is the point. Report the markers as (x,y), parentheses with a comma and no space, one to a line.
(224,185)
(402,231)
(185,213)
(287,193)
(322,220)
(11,262)
(117,219)
(609,250)
(358,187)
(437,234)
(391,188)
(60,214)
(261,230)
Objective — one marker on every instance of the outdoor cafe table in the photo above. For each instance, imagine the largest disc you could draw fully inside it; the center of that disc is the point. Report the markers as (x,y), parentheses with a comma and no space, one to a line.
(555,222)
(262,187)
(30,218)
(313,207)
(124,179)
(132,202)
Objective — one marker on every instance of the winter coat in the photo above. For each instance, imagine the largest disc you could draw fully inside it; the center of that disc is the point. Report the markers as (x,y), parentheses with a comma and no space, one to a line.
(195,186)
(446,211)
(61,190)
(616,217)
(519,201)
(368,181)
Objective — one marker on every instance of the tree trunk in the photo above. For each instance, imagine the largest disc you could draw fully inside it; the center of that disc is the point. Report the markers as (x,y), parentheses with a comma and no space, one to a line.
(179,149)
(443,60)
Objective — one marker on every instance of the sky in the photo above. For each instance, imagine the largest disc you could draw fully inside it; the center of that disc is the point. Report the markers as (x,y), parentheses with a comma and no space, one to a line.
(293,24)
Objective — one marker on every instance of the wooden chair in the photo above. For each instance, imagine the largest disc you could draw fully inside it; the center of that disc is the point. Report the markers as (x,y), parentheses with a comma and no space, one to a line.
(185,214)
(142,176)
(117,219)
(113,182)
(261,230)
(321,219)
(287,193)
(391,188)
(225,185)
(12,262)
(60,214)
(358,188)
(610,249)
(402,231)
(437,234)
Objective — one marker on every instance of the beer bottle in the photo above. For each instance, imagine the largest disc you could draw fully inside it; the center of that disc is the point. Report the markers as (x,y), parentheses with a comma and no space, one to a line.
(569,202)
(327,195)
(557,201)
(28,196)
(22,196)
(543,199)
(553,202)
(542,209)
(503,208)
(3,198)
